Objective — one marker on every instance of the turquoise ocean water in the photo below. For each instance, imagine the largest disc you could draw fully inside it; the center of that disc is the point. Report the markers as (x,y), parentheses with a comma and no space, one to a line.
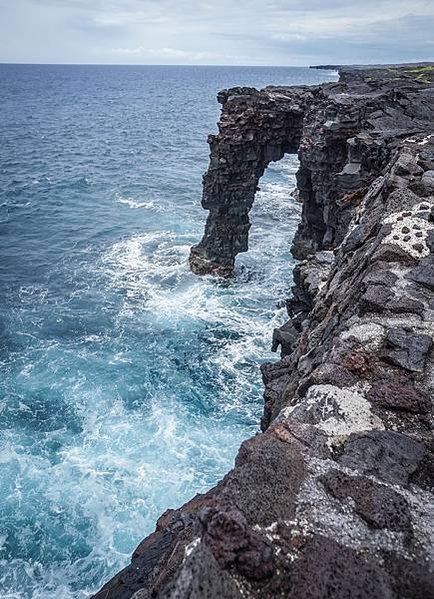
(126,383)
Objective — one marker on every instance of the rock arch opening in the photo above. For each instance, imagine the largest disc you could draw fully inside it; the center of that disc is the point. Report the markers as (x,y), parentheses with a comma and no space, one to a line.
(256,128)
(274,219)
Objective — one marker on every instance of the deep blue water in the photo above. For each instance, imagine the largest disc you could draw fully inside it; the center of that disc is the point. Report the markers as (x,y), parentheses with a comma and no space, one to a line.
(126,383)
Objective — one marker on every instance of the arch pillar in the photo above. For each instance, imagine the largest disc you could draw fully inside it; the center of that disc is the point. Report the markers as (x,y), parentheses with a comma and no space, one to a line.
(255,128)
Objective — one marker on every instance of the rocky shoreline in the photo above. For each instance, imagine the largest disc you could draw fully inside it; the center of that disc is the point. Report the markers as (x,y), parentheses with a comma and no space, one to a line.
(335,497)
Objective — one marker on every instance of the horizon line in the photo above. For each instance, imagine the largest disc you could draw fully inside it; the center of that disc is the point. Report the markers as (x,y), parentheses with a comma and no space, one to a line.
(333,66)
(135,64)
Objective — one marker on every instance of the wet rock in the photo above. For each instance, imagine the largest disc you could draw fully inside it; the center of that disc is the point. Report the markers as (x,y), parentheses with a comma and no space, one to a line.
(407,349)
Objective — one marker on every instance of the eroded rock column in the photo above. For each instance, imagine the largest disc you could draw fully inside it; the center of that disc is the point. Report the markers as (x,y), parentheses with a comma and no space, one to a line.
(256,128)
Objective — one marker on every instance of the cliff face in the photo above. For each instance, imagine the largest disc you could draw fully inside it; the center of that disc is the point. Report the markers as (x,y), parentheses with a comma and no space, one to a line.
(335,497)
(343,134)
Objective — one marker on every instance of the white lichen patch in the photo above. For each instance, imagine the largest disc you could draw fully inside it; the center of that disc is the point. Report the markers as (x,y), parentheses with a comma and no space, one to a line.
(191,547)
(410,229)
(422,142)
(319,513)
(285,413)
(426,140)
(342,411)
(270,532)
(370,335)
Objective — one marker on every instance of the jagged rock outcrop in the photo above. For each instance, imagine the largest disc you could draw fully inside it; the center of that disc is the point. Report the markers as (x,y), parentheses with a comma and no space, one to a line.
(255,128)
(343,133)
(335,497)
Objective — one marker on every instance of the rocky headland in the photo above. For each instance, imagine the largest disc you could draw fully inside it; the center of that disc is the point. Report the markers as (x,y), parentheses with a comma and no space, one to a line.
(334,499)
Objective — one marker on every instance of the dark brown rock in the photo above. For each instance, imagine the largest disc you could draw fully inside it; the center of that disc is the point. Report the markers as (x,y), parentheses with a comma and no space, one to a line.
(390,456)
(393,395)
(328,570)
(407,349)
(378,505)
(233,543)
(358,363)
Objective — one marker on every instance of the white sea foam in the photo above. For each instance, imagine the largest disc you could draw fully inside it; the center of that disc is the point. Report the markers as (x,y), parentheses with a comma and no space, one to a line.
(128,462)
(127,383)
(132,203)
(153,272)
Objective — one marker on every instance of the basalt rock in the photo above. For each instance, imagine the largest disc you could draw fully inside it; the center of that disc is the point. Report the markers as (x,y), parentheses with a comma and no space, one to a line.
(334,498)
(339,572)
(234,544)
(387,455)
(407,349)
(343,133)
(378,505)
(395,395)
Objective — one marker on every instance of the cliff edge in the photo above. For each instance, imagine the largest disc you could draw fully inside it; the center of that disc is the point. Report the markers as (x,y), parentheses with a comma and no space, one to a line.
(335,497)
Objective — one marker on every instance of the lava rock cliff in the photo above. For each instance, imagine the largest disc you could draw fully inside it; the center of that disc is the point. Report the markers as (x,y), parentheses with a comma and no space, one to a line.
(335,497)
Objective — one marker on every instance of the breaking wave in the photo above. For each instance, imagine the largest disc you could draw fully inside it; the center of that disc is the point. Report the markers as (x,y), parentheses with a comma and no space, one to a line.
(127,383)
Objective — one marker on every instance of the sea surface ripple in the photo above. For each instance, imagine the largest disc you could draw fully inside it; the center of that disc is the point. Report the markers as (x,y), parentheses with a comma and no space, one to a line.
(126,383)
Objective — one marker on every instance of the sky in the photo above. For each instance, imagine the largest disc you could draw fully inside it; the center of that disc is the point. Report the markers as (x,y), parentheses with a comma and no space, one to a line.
(224,32)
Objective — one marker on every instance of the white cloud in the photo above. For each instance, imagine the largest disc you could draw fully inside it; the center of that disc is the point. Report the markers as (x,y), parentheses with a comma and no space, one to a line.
(224,32)
(171,53)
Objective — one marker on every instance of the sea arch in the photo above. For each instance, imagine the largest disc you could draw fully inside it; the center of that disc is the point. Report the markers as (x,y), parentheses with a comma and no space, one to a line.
(255,128)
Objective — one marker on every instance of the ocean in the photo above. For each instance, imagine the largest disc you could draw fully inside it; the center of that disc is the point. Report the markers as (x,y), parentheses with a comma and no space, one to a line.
(126,383)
